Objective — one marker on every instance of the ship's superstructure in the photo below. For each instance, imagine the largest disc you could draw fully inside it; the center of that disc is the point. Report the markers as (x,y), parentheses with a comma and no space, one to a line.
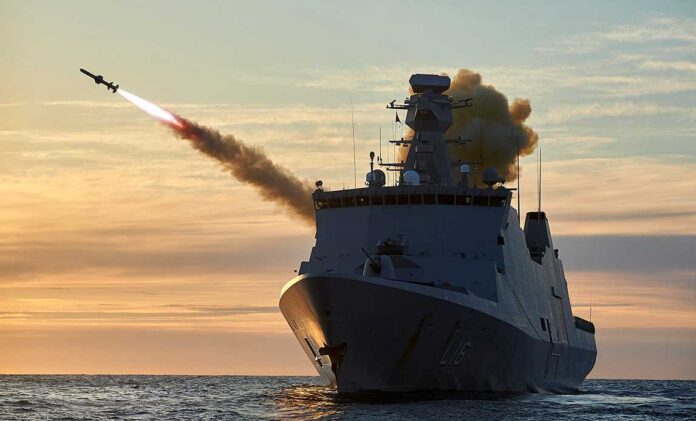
(431,284)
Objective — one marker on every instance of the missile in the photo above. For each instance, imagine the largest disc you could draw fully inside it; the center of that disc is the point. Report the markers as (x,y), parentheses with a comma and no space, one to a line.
(100,79)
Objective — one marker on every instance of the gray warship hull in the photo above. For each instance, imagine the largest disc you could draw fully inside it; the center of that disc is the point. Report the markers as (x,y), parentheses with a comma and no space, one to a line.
(392,336)
(432,283)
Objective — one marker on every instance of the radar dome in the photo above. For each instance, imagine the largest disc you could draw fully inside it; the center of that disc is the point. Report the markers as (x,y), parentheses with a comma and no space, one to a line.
(491,177)
(376,178)
(411,178)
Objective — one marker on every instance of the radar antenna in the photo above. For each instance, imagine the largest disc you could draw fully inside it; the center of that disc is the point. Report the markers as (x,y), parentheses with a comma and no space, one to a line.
(590,305)
(379,158)
(352,121)
(519,210)
(539,181)
(539,197)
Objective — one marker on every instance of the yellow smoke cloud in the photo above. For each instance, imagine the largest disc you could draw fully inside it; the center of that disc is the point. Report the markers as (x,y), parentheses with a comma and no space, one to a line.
(495,127)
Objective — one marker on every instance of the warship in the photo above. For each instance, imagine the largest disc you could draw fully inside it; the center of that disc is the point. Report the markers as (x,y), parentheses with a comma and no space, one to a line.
(431,283)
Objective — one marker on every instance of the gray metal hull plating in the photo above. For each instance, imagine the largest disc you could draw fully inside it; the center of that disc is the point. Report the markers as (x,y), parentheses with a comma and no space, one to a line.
(373,334)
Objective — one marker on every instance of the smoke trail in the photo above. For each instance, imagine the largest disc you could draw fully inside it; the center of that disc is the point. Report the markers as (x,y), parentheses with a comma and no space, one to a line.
(250,164)
(491,118)
(246,163)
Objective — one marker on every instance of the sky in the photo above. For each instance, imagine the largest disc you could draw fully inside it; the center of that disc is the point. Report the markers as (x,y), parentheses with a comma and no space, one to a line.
(122,250)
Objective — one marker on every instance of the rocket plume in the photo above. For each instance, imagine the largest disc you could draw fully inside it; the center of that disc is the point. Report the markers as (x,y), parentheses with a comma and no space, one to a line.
(150,108)
(495,127)
(246,163)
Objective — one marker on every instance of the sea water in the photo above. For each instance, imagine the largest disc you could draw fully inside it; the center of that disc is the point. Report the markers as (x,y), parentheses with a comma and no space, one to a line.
(261,397)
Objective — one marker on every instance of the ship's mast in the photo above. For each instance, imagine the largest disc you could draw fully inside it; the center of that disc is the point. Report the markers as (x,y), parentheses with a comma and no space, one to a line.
(429,114)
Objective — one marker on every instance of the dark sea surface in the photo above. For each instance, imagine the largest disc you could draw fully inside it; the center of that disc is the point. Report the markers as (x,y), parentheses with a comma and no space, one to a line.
(240,397)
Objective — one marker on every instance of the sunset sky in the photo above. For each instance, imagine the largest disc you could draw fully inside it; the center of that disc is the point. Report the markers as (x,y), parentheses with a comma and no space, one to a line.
(122,250)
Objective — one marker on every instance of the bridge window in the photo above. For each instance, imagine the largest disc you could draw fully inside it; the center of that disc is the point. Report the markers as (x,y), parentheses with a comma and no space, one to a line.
(480,200)
(445,199)
(464,200)
(498,201)
(416,199)
(412,199)
(334,202)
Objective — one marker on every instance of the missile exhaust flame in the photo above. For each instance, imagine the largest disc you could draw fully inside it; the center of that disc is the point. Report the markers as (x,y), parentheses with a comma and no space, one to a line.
(151,109)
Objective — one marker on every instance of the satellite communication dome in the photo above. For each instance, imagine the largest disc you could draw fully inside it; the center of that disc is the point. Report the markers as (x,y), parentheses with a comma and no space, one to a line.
(491,177)
(376,178)
(411,178)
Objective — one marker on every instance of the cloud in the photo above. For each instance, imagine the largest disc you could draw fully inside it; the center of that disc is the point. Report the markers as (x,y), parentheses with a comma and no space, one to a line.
(651,256)
(87,104)
(655,29)
(178,313)
(592,79)
(130,350)
(635,350)
(224,114)
(588,195)
(688,66)
(208,309)
(135,254)
(568,113)
(631,215)
(377,79)
(632,300)
(575,144)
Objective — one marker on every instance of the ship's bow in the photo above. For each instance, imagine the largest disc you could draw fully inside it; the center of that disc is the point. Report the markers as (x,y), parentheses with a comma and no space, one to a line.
(360,334)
